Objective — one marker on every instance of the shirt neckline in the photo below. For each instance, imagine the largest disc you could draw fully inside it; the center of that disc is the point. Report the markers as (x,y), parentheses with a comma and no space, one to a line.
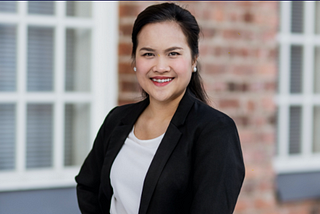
(145,141)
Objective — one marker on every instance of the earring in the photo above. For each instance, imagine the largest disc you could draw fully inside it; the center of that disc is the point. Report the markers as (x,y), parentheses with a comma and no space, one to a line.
(135,69)
(195,69)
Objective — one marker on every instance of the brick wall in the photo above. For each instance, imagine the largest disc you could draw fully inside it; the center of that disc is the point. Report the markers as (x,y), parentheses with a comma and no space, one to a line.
(238,65)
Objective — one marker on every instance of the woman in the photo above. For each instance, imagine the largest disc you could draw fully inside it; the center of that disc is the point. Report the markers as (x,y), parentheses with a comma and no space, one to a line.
(171,152)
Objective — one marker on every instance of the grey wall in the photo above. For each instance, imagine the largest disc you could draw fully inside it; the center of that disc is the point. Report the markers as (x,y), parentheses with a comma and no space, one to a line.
(49,201)
(298,186)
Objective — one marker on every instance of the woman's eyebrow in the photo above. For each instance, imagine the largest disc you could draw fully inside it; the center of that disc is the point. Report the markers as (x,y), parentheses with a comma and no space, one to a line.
(173,48)
(167,50)
(146,49)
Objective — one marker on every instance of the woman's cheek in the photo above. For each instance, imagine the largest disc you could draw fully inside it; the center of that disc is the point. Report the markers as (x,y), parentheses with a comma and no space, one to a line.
(183,67)
(143,66)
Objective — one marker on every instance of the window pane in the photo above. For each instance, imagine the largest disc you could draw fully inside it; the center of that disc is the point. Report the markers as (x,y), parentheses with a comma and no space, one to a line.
(41,7)
(39,135)
(8,6)
(317,70)
(78,63)
(77,122)
(317,17)
(296,65)
(316,129)
(7,136)
(8,54)
(78,9)
(40,58)
(297,16)
(295,130)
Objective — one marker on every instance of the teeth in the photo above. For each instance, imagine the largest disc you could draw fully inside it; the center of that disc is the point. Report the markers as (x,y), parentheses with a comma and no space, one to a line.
(162,80)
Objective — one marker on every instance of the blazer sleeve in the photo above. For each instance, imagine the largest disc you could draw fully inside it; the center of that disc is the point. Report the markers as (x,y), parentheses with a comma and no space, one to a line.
(88,179)
(218,169)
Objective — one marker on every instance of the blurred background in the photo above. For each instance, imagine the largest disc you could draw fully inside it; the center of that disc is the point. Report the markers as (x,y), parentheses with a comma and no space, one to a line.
(64,65)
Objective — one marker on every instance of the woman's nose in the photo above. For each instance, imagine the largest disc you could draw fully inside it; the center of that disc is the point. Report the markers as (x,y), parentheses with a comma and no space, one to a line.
(161,65)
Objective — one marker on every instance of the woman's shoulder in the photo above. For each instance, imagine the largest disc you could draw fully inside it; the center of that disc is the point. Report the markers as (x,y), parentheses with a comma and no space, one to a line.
(121,110)
(210,123)
(208,115)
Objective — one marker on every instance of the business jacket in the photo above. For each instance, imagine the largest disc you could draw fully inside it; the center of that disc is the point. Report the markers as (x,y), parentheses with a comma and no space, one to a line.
(198,167)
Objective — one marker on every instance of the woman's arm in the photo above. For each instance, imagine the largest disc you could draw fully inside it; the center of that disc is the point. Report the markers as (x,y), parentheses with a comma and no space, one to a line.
(88,179)
(218,169)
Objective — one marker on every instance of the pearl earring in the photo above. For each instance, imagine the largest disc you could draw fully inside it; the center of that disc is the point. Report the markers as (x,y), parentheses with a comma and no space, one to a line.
(195,69)
(135,69)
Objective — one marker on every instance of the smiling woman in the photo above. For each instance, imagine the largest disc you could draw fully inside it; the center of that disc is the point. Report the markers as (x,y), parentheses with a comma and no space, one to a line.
(163,67)
(171,152)
(163,54)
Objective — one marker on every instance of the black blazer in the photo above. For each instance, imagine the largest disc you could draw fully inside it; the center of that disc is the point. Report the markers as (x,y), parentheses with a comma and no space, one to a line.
(198,167)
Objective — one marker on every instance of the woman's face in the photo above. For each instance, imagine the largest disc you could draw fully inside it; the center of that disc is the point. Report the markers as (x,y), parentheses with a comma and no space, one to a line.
(163,61)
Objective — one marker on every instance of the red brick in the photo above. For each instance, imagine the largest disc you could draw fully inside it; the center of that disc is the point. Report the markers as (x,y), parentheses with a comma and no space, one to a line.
(268,104)
(251,106)
(272,119)
(246,136)
(245,4)
(229,103)
(248,35)
(125,30)
(248,17)
(237,87)
(124,101)
(208,32)
(129,86)
(216,87)
(216,15)
(125,49)
(128,10)
(241,120)
(231,34)
(242,206)
(261,204)
(214,69)
(125,68)
(244,69)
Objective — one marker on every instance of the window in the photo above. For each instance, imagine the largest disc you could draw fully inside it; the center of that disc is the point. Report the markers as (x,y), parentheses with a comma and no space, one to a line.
(58,80)
(298,97)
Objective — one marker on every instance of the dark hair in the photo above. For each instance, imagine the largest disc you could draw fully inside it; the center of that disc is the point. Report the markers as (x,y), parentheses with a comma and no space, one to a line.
(190,28)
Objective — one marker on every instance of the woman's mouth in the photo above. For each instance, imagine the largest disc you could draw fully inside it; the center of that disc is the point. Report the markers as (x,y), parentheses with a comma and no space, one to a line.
(161,81)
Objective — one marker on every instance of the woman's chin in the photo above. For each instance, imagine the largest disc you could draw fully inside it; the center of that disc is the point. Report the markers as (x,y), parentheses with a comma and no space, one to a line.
(165,97)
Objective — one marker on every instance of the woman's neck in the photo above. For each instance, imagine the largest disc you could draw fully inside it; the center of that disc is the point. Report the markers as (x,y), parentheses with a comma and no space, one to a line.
(163,110)
(156,118)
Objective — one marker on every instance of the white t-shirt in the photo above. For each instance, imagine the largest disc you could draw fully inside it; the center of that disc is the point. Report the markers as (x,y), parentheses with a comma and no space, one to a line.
(128,172)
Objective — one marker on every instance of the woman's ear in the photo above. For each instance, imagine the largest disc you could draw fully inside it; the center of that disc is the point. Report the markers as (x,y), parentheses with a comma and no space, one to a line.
(194,61)
(133,65)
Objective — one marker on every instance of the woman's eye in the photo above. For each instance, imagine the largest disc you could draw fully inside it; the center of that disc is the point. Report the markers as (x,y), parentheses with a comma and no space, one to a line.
(148,54)
(174,54)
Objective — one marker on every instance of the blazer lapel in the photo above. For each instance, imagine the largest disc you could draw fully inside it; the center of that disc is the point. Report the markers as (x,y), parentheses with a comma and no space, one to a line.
(120,133)
(166,147)
(117,139)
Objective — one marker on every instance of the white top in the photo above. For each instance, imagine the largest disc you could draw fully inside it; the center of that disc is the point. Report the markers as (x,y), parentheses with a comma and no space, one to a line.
(128,172)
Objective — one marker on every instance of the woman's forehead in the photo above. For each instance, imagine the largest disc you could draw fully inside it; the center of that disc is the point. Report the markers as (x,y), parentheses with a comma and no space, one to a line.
(163,35)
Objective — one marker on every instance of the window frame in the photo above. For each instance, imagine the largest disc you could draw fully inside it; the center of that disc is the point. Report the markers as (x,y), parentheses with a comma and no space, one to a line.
(102,96)
(306,161)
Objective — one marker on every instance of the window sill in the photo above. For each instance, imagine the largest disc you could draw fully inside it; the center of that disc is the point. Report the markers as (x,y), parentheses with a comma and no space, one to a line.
(296,164)
(38,179)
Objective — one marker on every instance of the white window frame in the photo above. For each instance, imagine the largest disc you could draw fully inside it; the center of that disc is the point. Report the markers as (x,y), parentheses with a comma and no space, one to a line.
(102,96)
(306,161)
